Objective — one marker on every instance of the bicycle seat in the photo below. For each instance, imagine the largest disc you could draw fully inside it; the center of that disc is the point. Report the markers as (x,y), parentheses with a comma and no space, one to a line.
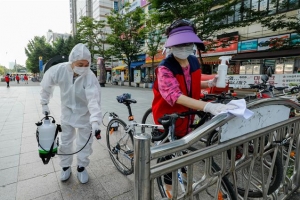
(280,88)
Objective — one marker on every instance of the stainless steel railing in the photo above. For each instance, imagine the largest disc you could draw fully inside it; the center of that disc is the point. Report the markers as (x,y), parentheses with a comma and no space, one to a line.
(269,144)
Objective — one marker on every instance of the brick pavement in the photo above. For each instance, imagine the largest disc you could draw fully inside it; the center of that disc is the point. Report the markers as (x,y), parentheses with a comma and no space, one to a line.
(23,175)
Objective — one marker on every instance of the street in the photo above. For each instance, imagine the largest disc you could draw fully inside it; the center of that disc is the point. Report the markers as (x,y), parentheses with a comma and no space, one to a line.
(22,173)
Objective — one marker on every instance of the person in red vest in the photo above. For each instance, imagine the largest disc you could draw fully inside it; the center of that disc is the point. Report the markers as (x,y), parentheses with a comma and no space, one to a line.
(26,79)
(178,84)
(7,79)
(18,78)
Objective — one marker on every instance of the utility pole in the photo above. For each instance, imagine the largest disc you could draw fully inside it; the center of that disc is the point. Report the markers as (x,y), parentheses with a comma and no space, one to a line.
(74,17)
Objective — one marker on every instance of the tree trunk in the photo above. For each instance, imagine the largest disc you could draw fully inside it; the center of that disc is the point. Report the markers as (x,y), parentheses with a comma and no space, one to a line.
(129,73)
(153,72)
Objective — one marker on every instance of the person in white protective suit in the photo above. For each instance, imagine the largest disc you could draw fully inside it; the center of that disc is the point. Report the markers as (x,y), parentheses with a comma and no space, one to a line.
(80,108)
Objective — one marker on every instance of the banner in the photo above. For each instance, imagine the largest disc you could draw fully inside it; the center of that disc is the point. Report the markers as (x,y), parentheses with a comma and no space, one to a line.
(222,46)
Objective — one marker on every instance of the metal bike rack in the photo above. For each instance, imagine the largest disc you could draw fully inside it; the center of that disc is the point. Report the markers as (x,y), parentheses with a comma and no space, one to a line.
(146,171)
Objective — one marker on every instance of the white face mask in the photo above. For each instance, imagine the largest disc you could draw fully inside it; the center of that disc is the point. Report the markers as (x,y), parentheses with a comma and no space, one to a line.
(81,70)
(182,52)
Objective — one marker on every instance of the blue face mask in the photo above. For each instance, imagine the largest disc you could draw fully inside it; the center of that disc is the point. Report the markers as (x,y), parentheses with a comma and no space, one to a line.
(182,52)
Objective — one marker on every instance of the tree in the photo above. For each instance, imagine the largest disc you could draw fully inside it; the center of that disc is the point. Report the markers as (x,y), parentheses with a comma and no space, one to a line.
(63,46)
(209,16)
(282,21)
(154,35)
(127,36)
(36,48)
(3,70)
(93,33)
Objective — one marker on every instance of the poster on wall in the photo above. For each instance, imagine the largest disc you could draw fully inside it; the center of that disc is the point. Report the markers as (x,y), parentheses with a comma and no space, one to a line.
(295,39)
(273,42)
(222,46)
(278,80)
(137,76)
(247,46)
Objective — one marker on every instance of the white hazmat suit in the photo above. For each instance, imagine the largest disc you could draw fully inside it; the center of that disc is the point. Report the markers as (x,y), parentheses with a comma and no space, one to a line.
(80,105)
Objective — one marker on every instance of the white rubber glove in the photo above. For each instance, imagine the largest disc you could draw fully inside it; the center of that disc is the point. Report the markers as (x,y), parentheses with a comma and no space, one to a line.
(216,108)
(45,109)
(212,82)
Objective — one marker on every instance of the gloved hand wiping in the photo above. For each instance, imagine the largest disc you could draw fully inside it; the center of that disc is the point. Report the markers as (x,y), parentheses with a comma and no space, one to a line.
(96,130)
(45,109)
(216,108)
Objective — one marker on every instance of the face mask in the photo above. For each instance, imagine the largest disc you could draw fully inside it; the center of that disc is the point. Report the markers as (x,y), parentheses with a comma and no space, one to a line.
(182,52)
(80,70)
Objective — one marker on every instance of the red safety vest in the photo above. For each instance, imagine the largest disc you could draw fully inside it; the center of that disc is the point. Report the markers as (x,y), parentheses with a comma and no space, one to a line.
(160,107)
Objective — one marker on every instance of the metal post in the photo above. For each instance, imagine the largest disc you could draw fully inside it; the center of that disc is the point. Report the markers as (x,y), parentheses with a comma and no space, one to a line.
(296,175)
(142,166)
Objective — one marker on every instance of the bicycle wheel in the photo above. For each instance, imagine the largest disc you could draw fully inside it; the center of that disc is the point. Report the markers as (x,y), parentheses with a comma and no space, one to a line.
(243,174)
(120,146)
(226,190)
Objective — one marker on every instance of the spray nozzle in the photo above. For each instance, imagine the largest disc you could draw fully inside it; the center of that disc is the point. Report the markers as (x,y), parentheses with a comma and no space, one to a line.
(224,59)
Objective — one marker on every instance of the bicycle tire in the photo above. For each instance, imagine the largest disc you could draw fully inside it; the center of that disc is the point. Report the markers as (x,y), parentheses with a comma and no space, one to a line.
(122,158)
(278,171)
(225,184)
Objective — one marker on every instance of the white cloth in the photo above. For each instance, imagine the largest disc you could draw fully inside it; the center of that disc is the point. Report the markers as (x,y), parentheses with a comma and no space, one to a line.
(241,110)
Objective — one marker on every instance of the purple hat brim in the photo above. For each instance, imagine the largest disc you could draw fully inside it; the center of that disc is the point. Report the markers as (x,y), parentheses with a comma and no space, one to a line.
(182,37)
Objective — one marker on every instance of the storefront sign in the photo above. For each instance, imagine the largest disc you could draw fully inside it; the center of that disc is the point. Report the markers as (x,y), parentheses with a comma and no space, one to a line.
(278,80)
(274,42)
(247,46)
(295,39)
(157,58)
(222,46)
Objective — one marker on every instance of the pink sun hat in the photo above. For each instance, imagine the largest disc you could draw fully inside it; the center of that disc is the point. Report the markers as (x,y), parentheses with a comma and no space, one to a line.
(182,35)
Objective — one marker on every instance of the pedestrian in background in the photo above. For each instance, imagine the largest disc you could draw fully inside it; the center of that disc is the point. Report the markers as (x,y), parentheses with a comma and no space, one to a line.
(18,78)
(108,77)
(26,79)
(80,108)
(7,79)
(22,77)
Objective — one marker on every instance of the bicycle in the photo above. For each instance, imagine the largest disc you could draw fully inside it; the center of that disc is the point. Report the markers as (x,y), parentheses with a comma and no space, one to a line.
(168,121)
(119,137)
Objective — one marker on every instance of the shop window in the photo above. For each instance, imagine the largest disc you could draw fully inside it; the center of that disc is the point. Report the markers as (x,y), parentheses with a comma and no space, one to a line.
(282,5)
(263,5)
(242,69)
(293,4)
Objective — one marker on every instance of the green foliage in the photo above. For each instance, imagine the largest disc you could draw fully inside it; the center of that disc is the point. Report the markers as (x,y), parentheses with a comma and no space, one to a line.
(36,48)
(127,35)
(2,70)
(93,33)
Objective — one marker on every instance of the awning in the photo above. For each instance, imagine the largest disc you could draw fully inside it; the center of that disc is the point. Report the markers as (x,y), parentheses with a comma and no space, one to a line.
(121,67)
(267,54)
(150,64)
(211,60)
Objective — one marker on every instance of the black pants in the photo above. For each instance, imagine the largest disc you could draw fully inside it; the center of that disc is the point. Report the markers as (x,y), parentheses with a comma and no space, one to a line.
(18,81)
(7,82)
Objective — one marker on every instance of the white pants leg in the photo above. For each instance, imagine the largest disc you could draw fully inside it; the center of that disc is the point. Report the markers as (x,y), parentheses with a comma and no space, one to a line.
(83,135)
(66,145)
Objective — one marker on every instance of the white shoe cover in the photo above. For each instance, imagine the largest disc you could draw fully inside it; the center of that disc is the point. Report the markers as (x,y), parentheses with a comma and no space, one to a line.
(83,176)
(65,175)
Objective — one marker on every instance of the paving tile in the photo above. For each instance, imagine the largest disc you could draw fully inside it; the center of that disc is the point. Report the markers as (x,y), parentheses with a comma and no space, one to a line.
(73,189)
(9,151)
(126,196)
(110,182)
(8,176)
(29,147)
(9,143)
(32,170)
(29,140)
(9,161)
(30,157)
(8,192)
(5,136)
(53,196)
(37,187)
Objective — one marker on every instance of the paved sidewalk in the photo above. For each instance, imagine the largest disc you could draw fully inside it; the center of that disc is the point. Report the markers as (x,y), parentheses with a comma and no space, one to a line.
(22,173)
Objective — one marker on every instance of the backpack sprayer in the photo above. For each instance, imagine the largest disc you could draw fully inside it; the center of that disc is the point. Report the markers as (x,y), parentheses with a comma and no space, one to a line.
(48,142)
